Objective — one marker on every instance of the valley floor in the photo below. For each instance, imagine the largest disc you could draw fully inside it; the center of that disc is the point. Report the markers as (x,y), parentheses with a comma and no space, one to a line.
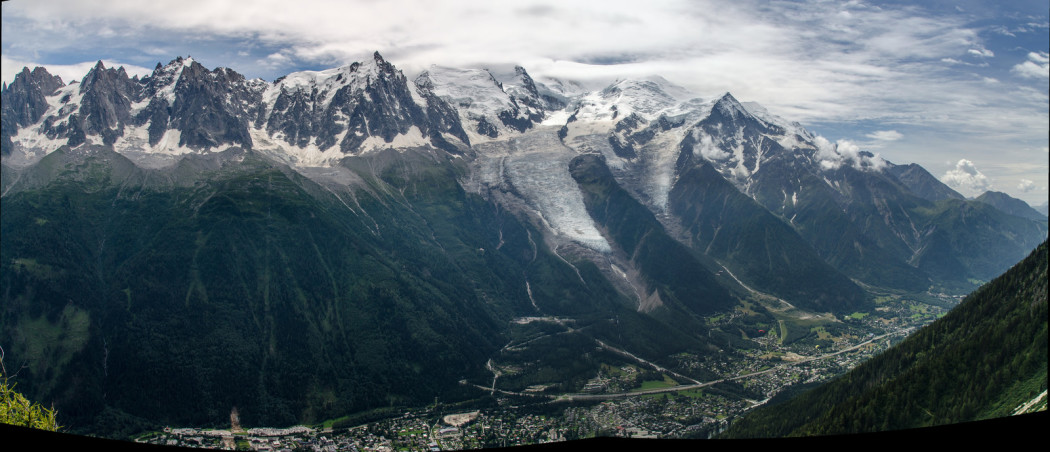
(631,397)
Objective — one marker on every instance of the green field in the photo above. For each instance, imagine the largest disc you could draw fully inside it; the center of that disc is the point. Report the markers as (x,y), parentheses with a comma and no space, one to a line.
(692,393)
(667,382)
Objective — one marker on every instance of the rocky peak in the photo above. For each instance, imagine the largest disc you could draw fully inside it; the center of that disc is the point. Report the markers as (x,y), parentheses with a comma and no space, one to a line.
(164,76)
(522,90)
(729,106)
(194,71)
(526,81)
(48,83)
(482,103)
(212,108)
(24,101)
(383,65)
(99,77)
(648,97)
(424,82)
(345,106)
(106,103)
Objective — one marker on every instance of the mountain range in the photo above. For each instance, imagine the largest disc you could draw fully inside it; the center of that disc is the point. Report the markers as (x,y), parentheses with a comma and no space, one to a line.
(348,239)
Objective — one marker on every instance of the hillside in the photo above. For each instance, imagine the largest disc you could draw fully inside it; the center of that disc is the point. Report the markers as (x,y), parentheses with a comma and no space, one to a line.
(347,240)
(984,359)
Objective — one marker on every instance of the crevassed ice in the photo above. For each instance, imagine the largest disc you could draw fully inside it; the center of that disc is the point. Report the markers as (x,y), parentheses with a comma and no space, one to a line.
(538,166)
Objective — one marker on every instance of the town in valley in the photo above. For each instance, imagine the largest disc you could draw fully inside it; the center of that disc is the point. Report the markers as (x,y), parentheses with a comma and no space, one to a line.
(632,398)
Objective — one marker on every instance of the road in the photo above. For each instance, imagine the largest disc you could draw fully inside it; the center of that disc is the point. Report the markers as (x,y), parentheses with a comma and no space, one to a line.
(696,384)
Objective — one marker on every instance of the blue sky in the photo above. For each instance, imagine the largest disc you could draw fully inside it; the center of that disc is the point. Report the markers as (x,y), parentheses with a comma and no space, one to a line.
(958,87)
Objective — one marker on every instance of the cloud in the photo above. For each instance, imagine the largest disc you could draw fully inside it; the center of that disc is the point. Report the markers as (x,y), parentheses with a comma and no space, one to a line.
(885,135)
(275,60)
(69,72)
(833,156)
(981,52)
(710,151)
(963,63)
(886,66)
(818,60)
(1037,66)
(1026,186)
(966,178)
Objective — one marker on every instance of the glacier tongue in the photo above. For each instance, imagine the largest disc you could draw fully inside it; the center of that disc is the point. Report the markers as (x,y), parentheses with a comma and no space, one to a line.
(509,132)
(536,165)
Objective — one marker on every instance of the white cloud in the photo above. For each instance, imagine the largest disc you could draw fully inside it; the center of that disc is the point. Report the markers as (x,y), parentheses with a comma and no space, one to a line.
(966,178)
(275,60)
(981,52)
(882,67)
(963,63)
(885,135)
(1037,66)
(69,72)
(710,151)
(833,156)
(829,158)
(1026,186)
(810,60)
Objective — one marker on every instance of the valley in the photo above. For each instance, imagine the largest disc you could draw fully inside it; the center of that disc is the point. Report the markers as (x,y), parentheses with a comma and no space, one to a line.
(627,395)
(352,250)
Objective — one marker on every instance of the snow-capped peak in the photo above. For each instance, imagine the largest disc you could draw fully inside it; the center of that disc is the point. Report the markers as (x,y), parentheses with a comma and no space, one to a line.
(174,66)
(165,77)
(326,82)
(729,106)
(648,97)
(521,86)
(483,105)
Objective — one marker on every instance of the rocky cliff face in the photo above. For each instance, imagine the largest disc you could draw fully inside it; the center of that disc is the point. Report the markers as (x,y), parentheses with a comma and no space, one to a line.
(679,155)
(25,101)
(343,240)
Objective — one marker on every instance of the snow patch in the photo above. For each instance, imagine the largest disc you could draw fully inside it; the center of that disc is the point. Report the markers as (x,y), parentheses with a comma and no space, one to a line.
(36,145)
(309,155)
(58,108)
(134,145)
(413,138)
(557,118)
(313,156)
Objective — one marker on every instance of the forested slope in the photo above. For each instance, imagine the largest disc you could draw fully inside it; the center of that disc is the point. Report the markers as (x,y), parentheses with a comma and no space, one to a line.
(980,361)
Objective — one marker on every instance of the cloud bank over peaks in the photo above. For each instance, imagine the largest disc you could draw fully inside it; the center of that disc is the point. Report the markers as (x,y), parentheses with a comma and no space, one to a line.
(845,152)
(68,72)
(966,179)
